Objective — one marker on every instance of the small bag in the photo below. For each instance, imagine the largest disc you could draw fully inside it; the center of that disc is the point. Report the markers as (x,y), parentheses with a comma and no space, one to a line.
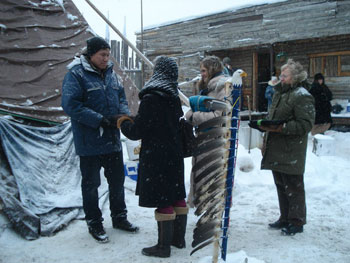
(188,138)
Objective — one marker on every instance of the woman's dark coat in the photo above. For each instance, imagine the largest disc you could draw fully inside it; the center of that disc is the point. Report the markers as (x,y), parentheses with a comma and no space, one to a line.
(323,106)
(161,169)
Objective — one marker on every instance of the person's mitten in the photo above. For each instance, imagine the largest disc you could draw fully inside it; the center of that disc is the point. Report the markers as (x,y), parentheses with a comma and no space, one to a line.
(197,103)
(122,119)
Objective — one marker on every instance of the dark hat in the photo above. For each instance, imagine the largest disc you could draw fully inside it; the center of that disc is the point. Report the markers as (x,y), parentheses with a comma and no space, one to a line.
(226,60)
(318,76)
(95,44)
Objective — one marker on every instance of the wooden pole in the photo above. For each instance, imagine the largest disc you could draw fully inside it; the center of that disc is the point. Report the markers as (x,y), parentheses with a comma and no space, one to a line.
(250,129)
(182,96)
(149,63)
(142,63)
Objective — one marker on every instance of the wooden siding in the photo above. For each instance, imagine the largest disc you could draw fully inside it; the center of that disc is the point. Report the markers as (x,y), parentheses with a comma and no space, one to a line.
(302,51)
(282,21)
(298,29)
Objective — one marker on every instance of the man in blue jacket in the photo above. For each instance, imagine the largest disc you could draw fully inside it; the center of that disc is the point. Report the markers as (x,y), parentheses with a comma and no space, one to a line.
(94,99)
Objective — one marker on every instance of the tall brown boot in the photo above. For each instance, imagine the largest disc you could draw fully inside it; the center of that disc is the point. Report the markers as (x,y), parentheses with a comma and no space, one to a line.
(165,236)
(180,227)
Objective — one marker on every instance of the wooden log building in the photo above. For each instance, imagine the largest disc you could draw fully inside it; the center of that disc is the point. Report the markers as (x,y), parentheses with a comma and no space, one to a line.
(259,39)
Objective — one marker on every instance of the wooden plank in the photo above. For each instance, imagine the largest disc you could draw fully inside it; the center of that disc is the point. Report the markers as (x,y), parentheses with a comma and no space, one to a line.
(255,80)
(337,53)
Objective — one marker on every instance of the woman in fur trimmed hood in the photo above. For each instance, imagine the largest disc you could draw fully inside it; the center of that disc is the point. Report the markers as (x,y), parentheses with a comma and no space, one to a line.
(212,84)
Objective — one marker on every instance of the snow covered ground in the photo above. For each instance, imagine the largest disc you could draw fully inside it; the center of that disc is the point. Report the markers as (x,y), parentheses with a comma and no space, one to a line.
(326,236)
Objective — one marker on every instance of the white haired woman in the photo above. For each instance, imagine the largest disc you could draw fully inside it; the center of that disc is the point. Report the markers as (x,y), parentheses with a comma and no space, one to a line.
(284,150)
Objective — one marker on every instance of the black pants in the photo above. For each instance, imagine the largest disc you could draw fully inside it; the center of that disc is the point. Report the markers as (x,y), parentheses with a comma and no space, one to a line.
(90,167)
(291,197)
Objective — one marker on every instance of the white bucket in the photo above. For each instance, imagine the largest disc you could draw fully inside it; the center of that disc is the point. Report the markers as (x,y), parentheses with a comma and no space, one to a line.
(246,133)
(132,147)
(323,145)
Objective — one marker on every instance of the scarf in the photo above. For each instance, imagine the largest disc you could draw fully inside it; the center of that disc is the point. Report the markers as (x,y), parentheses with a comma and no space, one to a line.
(164,78)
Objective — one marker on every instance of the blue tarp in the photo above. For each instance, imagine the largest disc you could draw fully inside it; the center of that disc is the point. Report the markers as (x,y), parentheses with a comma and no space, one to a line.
(40,178)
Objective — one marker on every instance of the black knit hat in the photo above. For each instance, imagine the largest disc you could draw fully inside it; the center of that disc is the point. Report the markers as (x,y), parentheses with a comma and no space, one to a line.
(95,44)
(318,76)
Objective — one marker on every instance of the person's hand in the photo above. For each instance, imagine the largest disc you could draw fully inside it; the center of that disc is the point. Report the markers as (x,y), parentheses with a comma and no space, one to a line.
(255,125)
(114,119)
(122,119)
(272,128)
(105,123)
(267,125)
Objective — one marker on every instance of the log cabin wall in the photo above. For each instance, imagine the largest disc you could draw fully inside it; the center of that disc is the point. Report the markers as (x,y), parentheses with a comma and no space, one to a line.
(295,29)
(241,58)
(321,55)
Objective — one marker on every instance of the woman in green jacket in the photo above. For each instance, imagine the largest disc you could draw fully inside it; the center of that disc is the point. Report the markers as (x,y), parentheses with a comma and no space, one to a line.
(284,150)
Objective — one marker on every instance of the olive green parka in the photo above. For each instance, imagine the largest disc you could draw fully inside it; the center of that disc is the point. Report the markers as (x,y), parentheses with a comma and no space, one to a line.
(286,151)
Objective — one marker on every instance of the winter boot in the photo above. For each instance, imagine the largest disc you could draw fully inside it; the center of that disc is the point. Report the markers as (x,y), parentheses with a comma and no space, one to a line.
(291,230)
(97,231)
(279,224)
(165,236)
(124,224)
(180,227)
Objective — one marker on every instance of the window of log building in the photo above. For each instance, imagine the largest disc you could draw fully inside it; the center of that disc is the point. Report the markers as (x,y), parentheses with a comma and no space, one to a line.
(333,64)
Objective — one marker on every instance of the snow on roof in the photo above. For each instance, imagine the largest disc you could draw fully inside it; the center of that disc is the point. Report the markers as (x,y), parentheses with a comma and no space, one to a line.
(234,8)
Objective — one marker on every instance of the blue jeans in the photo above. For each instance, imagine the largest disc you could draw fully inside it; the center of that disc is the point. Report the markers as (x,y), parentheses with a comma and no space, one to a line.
(90,167)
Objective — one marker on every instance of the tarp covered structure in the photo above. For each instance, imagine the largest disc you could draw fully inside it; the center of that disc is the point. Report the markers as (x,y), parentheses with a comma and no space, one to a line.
(40,178)
(37,41)
(39,171)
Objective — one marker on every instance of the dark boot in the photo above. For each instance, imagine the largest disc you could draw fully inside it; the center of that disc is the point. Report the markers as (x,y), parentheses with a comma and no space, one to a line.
(180,227)
(97,231)
(291,230)
(165,237)
(279,224)
(124,224)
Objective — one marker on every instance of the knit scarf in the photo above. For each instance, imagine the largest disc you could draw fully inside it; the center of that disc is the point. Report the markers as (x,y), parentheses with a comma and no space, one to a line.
(164,78)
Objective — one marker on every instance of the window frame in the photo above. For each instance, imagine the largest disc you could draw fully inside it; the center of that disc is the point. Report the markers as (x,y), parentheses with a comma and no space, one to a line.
(323,56)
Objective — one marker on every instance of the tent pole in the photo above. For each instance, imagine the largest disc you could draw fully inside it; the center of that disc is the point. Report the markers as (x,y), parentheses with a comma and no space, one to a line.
(149,63)
(182,96)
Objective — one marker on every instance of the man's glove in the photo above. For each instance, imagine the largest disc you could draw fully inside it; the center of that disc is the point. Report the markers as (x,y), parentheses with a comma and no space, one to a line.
(105,123)
(197,103)
(114,119)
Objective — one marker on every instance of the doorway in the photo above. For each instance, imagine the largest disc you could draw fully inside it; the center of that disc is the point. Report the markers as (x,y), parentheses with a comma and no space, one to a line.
(262,71)
(264,75)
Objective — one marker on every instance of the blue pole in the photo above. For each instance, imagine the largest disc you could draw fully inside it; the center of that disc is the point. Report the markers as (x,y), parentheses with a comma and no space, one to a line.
(236,94)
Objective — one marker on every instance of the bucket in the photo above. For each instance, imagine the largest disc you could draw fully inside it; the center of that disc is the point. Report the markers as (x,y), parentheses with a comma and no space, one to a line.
(323,145)
(131,147)
(131,170)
